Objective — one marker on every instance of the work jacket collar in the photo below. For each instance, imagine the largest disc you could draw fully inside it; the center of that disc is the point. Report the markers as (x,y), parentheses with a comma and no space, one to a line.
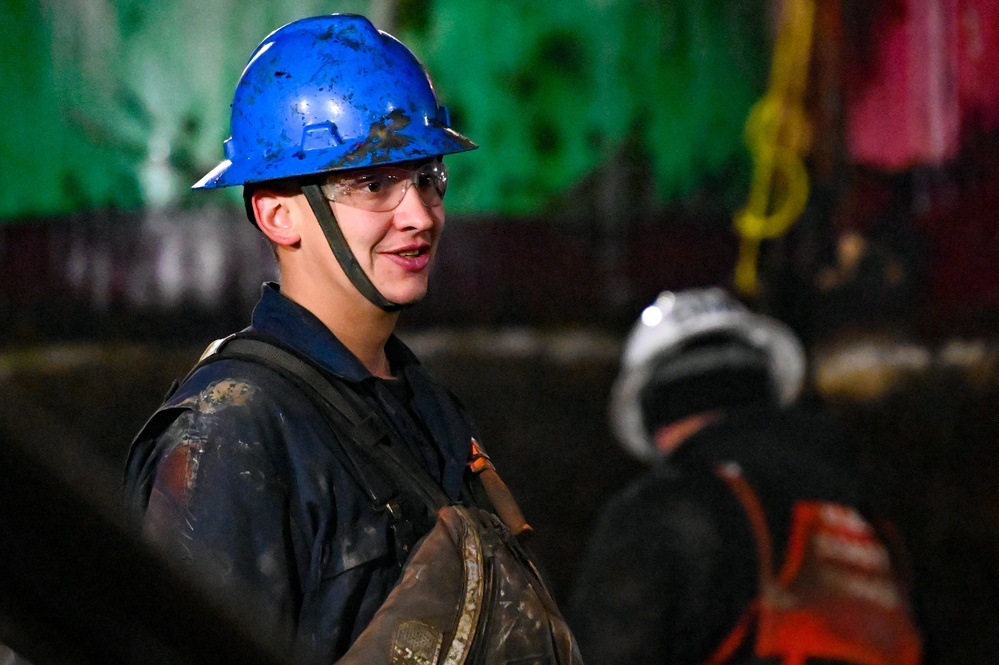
(277,316)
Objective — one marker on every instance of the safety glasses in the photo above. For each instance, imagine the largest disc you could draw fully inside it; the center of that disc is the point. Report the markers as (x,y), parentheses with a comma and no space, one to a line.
(382,188)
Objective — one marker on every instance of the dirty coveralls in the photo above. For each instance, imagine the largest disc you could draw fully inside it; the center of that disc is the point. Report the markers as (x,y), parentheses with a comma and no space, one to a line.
(234,475)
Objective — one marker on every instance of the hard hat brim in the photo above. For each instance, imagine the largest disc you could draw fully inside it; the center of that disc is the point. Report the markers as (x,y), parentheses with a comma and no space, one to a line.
(402,146)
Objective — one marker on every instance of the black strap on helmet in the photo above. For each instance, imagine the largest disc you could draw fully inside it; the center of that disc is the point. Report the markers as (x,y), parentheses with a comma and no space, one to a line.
(334,236)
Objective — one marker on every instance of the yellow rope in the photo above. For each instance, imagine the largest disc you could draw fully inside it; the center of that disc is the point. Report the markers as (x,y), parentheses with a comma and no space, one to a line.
(778,135)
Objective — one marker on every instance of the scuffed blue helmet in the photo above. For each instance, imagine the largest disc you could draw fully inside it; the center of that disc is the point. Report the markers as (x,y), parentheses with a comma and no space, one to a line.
(329,93)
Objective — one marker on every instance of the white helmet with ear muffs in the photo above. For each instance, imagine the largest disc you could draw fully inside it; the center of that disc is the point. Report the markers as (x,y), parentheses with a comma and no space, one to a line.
(674,321)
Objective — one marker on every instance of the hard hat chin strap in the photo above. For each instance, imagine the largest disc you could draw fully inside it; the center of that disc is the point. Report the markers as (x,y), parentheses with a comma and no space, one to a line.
(334,236)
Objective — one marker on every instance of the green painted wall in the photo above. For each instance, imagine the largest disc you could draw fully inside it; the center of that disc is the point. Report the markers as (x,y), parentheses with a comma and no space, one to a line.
(124,103)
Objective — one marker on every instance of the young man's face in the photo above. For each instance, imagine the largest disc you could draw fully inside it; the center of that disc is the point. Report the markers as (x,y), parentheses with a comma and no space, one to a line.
(395,247)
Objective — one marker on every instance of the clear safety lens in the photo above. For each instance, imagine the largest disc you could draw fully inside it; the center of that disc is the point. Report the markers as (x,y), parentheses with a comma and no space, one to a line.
(382,188)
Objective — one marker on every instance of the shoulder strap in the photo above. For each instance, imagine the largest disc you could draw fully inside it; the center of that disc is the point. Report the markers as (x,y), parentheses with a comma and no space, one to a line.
(367,443)
(732,476)
(365,430)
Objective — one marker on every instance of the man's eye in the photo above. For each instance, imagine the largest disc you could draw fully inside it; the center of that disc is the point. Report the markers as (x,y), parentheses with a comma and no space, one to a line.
(374,184)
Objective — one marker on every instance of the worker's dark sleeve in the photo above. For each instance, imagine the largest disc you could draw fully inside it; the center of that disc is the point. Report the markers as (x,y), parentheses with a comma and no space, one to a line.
(218,504)
(660,583)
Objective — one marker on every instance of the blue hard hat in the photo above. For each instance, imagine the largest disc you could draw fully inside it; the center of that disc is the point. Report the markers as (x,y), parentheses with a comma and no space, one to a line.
(330,93)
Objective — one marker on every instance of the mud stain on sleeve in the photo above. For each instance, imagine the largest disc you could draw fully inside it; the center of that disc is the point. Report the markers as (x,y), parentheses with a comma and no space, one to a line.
(223,395)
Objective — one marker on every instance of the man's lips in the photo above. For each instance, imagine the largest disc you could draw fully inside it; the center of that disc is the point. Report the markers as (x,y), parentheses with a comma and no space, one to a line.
(413,257)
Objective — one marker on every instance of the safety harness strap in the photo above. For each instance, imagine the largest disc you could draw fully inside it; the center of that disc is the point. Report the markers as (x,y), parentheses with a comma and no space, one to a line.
(371,448)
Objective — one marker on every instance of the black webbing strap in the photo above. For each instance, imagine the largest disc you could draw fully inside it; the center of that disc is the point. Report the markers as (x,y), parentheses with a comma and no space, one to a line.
(368,444)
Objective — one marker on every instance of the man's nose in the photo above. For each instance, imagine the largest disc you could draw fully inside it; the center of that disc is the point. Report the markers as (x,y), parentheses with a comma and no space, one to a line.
(414,213)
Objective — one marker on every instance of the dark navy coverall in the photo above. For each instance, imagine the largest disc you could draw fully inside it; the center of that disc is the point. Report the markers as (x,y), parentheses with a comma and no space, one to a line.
(235,475)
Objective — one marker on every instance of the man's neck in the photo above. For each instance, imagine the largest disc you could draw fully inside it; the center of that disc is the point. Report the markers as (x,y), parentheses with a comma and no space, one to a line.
(670,437)
(365,339)
(361,326)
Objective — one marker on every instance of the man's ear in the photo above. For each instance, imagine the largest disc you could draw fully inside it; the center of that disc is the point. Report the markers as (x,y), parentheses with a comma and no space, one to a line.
(274,212)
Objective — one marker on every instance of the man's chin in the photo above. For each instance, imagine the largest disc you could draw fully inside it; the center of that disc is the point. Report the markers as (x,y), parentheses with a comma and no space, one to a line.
(406,297)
